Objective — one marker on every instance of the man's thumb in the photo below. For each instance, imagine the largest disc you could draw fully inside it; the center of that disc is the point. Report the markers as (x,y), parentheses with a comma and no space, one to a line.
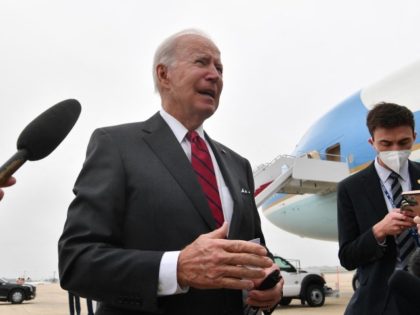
(221,232)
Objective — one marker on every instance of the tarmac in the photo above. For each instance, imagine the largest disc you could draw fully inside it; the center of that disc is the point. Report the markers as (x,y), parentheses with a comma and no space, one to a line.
(332,306)
(52,300)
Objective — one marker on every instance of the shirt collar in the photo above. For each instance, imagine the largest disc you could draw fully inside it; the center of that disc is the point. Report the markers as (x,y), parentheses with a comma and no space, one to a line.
(384,173)
(177,127)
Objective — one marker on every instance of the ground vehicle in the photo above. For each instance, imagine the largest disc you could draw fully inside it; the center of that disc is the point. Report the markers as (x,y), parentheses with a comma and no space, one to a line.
(16,293)
(308,286)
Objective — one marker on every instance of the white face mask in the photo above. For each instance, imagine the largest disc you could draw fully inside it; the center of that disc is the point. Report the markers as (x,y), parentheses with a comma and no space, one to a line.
(394,159)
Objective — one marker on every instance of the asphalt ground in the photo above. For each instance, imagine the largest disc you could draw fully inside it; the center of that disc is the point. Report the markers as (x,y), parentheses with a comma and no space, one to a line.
(52,300)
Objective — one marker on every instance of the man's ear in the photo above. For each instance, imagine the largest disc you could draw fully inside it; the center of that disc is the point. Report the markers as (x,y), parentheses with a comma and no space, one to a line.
(162,74)
(370,141)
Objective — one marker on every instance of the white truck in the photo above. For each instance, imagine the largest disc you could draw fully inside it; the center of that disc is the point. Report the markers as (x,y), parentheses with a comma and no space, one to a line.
(307,286)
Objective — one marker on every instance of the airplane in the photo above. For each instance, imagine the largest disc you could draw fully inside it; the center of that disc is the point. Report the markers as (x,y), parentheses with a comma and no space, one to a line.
(297,192)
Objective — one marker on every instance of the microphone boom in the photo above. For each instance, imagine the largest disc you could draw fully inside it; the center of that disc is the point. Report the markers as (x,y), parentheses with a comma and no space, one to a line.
(42,135)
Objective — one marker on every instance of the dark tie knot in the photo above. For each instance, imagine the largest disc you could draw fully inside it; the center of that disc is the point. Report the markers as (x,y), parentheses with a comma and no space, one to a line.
(394,176)
(192,136)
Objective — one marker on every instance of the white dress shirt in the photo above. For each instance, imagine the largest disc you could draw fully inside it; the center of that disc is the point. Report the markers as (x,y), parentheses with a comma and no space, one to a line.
(405,182)
(168,283)
(384,173)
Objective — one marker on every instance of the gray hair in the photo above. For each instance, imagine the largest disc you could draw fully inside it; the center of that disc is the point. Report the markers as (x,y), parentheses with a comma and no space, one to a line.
(165,53)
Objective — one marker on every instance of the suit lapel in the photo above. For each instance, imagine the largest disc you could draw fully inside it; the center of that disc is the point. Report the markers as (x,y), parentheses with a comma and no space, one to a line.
(374,192)
(164,144)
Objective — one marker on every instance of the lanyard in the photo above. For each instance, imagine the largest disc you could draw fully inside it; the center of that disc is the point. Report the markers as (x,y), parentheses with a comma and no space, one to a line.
(387,194)
(413,232)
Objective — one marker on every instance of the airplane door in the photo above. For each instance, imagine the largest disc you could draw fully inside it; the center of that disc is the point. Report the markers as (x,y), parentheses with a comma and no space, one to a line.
(333,152)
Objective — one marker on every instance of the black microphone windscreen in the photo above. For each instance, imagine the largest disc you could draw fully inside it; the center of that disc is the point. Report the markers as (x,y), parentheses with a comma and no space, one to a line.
(405,289)
(46,132)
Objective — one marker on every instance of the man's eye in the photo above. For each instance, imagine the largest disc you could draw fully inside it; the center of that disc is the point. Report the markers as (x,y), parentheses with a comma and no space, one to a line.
(200,61)
(220,69)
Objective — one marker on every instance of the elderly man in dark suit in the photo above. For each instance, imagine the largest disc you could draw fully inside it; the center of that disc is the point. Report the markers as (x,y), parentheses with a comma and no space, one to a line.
(375,236)
(163,214)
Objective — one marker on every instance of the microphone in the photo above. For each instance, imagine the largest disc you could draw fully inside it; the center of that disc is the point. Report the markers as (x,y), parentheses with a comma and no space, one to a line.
(405,288)
(42,135)
(414,263)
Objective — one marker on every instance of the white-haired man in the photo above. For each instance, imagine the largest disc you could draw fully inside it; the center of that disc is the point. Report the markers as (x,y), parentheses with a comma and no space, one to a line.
(163,214)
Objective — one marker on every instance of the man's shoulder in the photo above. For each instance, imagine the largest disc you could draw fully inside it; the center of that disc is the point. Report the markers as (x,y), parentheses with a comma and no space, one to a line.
(122,127)
(129,128)
(354,179)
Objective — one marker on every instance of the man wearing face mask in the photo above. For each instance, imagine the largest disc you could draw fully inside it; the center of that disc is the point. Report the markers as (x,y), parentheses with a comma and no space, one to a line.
(375,236)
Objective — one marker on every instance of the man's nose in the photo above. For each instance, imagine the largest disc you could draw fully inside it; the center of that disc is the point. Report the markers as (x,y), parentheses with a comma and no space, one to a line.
(213,73)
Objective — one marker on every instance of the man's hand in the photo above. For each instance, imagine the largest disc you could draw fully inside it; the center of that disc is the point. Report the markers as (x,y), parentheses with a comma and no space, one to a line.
(266,299)
(392,224)
(212,262)
(9,182)
(417,221)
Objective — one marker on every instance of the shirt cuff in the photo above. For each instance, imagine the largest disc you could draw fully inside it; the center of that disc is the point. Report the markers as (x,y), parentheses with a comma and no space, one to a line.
(168,284)
(383,243)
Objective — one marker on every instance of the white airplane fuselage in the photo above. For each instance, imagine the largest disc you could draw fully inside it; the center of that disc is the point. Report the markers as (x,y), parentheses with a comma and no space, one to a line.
(341,134)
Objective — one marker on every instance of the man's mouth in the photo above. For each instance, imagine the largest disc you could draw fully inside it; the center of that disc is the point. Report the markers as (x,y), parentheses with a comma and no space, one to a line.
(208,92)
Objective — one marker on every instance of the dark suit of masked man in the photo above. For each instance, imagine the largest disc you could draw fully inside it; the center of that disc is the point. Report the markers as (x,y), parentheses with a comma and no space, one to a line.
(375,234)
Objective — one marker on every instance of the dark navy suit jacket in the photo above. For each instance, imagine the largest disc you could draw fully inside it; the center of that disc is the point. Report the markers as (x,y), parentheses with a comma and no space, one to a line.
(361,205)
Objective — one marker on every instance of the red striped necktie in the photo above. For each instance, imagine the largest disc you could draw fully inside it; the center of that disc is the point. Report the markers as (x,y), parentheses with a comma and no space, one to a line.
(203,167)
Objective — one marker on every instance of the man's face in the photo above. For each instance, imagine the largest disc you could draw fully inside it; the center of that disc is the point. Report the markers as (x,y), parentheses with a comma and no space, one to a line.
(194,81)
(393,139)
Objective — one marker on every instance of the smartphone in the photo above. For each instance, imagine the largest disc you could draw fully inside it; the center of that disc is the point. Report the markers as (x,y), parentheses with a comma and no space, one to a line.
(270,281)
(411,201)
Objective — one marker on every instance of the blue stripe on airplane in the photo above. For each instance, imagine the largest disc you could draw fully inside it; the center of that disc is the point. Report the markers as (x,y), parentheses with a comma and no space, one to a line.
(344,124)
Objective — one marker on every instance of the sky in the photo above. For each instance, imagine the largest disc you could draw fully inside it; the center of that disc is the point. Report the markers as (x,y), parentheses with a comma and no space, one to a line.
(286,62)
